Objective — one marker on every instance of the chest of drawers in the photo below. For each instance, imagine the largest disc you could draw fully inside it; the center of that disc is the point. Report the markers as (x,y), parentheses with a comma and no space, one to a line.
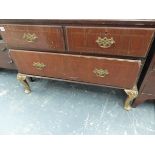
(105,53)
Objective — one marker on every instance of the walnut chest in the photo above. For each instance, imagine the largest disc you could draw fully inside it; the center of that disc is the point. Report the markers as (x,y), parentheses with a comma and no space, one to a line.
(99,52)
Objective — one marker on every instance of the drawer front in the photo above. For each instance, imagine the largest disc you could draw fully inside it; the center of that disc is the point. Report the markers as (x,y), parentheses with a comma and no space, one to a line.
(34,37)
(110,41)
(97,70)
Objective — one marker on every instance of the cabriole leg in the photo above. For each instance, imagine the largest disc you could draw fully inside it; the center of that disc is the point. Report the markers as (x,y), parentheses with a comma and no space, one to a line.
(22,79)
(132,94)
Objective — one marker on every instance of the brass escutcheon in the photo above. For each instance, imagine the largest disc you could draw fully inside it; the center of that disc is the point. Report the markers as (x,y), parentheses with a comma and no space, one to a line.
(105,42)
(38,65)
(30,37)
(100,72)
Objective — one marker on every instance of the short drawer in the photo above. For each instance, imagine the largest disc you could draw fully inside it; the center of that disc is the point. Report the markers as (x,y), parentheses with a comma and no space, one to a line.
(33,37)
(109,40)
(96,70)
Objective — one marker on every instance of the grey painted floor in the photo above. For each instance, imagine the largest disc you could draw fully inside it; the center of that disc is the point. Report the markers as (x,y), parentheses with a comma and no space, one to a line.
(66,108)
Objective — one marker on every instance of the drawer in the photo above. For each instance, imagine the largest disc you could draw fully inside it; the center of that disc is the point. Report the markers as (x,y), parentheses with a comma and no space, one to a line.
(96,70)
(33,37)
(108,40)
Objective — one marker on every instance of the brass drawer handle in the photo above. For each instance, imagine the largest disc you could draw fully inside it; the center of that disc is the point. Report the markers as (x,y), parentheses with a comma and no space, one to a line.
(105,42)
(30,37)
(38,65)
(100,72)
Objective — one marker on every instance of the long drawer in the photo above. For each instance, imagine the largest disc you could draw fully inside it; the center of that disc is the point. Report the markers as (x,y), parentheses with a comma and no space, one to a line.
(97,70)
(109,40)
(33,37)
